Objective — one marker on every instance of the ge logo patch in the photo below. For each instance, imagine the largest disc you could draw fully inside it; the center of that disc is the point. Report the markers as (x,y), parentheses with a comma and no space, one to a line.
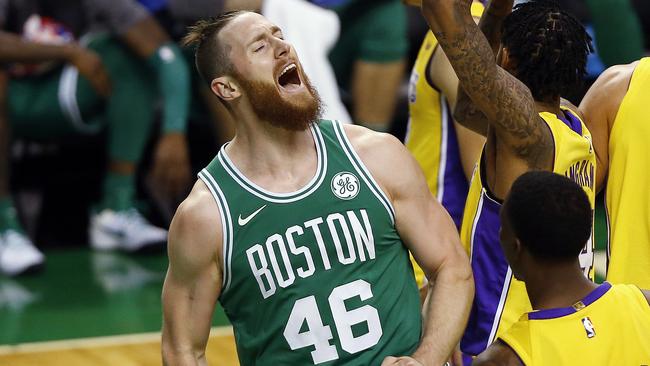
(345,185)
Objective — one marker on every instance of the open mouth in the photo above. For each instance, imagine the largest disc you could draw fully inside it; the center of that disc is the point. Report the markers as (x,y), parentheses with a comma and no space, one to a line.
(289,78)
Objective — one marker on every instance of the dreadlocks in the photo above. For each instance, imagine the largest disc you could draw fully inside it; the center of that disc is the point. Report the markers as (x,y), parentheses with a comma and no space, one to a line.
(549,47)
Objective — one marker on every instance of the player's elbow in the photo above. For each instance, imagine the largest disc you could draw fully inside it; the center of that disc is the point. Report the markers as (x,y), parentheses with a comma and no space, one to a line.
(456,270)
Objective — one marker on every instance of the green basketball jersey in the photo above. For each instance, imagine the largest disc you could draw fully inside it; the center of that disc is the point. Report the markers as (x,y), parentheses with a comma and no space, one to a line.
(316,276)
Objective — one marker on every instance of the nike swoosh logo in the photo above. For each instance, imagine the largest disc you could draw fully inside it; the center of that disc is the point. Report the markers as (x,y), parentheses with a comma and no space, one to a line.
(243,221)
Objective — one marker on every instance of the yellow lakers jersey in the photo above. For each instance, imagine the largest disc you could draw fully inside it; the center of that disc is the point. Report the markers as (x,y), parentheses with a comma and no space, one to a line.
(627,196)
(610,326)
(500,299)
(431,136)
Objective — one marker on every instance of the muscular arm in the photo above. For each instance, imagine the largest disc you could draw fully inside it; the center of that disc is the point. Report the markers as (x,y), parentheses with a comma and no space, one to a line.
(444,78)
(599,108)
(193,281)
(505,101)
(498,354)
(465,111)
(429,233)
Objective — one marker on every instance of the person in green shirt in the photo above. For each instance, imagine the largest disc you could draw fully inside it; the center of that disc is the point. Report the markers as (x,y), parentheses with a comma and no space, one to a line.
(71,68)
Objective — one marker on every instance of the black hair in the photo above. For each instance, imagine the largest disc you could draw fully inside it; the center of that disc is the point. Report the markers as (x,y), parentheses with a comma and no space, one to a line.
(549,47)
(211,56)
(549,214)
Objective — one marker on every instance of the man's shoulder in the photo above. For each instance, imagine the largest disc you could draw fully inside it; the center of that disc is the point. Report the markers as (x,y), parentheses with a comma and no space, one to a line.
(619,74)
(366,141)
(385,156)
(615,79)
(197,215)
(195,234)
(606,94)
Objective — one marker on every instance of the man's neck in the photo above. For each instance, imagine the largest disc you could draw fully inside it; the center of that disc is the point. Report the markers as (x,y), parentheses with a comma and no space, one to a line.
(558,285)
(260,149)
(549,106)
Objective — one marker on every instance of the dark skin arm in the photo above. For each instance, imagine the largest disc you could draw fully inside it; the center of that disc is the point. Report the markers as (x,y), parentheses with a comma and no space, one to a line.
(517,135)
(599,107)
(14,49)
(498,354)
(444,79)
(465,111)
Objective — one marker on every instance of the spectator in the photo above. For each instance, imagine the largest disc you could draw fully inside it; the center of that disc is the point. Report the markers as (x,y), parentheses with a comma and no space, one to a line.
(369,58)
(72,69)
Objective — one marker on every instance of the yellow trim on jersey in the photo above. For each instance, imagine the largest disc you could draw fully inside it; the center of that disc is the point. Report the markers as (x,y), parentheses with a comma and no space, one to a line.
(612,329)
(627,196)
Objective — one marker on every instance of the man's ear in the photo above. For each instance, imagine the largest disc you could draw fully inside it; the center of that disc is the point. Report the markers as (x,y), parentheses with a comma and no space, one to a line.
(518,249)
(508,63)
(225,88)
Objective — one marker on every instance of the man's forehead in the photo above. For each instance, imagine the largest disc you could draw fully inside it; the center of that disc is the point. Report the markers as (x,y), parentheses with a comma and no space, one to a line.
(247,26)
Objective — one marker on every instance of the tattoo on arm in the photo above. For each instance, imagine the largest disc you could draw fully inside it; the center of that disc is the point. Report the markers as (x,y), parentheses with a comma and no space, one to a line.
(466,112)
(505,101)
(468,115)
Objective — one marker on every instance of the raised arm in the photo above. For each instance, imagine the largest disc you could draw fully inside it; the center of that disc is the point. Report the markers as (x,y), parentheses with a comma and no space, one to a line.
(193,281)
(429,233)
(444,78)
(466,112)
(506,102)
(599,108)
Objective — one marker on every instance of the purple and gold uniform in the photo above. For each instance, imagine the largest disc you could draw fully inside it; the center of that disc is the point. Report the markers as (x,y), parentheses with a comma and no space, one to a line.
(500,299)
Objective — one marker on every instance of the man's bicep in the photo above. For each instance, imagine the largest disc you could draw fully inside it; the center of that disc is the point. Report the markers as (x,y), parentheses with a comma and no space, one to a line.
(193,281)
(424,225)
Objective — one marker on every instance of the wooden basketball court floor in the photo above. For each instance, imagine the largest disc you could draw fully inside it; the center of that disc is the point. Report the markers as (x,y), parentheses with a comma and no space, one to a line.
(89,308)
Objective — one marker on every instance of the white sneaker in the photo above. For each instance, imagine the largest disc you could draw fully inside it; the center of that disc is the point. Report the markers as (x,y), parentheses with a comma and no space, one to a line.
(18,254)
(124,230)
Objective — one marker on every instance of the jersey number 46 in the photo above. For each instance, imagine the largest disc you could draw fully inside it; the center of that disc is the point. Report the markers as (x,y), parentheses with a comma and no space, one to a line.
(319,335)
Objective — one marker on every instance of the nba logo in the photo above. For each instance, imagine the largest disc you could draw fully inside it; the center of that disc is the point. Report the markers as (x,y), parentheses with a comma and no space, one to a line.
(589,327)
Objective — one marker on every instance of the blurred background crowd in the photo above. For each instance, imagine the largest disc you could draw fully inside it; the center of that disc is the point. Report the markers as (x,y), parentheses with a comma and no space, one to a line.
(104,123)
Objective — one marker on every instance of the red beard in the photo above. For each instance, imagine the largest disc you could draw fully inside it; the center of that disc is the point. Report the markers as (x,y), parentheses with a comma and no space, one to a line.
(268,105)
